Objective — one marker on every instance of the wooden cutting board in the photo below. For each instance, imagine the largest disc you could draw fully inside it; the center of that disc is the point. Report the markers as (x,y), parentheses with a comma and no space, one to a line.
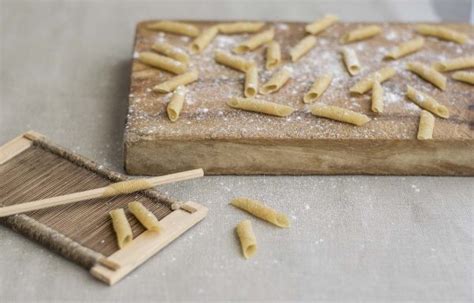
(222,140)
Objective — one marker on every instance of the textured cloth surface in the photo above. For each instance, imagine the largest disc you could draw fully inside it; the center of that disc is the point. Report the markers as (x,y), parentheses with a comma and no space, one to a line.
(64,72)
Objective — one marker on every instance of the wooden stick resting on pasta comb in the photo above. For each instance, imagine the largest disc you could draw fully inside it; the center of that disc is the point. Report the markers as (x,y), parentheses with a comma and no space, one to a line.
(114,189)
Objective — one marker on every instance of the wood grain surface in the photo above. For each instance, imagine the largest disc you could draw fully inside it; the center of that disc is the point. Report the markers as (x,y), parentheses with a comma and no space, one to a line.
(223,140)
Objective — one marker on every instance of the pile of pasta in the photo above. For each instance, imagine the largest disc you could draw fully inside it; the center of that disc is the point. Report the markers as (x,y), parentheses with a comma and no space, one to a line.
(175,60)
(122,228)
(248,240)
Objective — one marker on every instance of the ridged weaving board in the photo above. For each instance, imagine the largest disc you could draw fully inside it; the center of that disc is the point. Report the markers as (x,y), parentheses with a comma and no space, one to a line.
(223,140)
(32,168)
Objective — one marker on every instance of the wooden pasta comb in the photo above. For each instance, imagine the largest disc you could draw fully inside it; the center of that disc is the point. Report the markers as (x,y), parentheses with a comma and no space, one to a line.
(82,232)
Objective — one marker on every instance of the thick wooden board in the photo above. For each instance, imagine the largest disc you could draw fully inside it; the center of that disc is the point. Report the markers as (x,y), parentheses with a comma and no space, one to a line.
(223,140)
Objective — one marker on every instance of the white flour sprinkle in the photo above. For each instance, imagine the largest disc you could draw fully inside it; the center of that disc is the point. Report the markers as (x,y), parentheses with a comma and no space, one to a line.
(391,36)
(207,98)
(281,26)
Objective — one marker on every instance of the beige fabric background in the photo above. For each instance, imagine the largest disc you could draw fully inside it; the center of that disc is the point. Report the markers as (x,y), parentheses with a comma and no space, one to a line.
(64,72)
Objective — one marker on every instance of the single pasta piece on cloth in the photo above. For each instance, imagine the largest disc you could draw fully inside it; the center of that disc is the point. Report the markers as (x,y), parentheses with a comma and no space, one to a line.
(247,238)
(259,210)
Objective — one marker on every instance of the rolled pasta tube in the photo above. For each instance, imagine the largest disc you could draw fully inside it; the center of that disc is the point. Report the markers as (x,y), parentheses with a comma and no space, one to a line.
(144,74)
(174,27)
(204,39)
(273,55)
(251,81)
(425,126)
(427,102)
(320,25)
(361,33)
(162,62)
(232,61)
(318,88)
(171,84)
(366,83)
(126,187)
(427,73)
(303,47)
(351,61)
(406,48)
(176,104)
(144,216)
(442,32)
(240,27)
(122,228)
(171,51)
(276,82)
(255,41)
(454,64)
(260,106)
(377,98)
(260,210)
(339,114)
(247,238)
(464,77)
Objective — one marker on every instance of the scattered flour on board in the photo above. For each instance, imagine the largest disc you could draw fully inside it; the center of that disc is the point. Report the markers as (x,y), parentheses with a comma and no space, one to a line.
(281,26)
(206,98)
(391,35)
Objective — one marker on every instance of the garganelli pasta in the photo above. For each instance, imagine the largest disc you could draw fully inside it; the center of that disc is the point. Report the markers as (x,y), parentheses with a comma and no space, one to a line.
(255,41)
(144,216)
(366,83)
(276,82)
(319,25)
(126,187)
(145,74)
(247,238)
(122,228)
(162,62)
(175,28)
(427,102)
(428,73)
(454,64)
(442,32)
(259,210)
(251,81)
(176,104)
(171,51)
(260,106)
(464,77)
(171,84)
(425,126)
(377,97)
(232,61)
(339,114)
(351,61)
(318,88)
(300,49)
(406,48)
(273,55)
(361,33)
(240,27)
(203,40)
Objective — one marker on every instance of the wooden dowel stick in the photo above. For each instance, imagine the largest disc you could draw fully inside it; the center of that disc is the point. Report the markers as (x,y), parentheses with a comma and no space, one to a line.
(106,191)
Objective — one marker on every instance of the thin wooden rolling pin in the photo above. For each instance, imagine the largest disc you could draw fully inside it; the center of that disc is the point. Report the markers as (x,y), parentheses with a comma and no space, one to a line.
(114,189)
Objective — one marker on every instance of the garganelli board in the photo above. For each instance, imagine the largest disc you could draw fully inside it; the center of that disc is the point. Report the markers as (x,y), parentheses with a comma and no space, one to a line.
(223,140)
(33,168)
